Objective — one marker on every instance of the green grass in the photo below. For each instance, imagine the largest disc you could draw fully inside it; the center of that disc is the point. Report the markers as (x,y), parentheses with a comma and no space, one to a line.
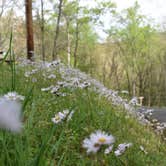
(43,143)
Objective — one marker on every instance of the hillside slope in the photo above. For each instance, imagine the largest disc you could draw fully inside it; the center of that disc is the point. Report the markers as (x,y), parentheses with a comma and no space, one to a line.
(49,137)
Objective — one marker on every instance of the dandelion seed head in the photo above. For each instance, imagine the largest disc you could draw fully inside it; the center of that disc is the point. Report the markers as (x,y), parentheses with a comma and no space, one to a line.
(10,115)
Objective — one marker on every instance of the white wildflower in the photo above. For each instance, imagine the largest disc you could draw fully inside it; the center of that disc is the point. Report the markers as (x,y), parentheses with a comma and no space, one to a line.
(102,138)
(66,112)
(55,89)
(125,92)
(122,148)
(96,140)
(134,101)
(149,111)
(109,149)
(143,149)
(27,74)
(10,115)
(51,76)
(60,94)
(56,62)
(61,83)
(47,89)
(90,146)
(13,96)
(84,85)
(60,116)
(69,117)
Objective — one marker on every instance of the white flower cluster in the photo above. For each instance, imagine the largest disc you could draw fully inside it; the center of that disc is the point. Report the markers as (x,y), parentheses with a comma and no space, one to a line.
(60,116)
(29,73)
(54,90)
(99,138)
(74,78)
(10,112)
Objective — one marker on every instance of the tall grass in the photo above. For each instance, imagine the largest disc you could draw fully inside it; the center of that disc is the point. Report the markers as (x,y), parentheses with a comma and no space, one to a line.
(43,143)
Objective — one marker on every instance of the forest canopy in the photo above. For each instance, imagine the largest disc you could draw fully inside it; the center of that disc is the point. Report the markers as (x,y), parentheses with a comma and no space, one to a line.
(128,53)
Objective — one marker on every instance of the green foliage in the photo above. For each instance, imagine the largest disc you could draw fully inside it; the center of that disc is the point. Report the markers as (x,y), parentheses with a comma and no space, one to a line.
(44,143)
(131,58)
(87,59)
(137,43)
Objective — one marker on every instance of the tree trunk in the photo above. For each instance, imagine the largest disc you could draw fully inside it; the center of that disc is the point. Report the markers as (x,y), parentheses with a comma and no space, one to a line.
(54,54)
(134,88)
(76,44)
(128,82)
(68,45)
(42,30)
(140,83)
(149,89)
(29,28)
(104,72)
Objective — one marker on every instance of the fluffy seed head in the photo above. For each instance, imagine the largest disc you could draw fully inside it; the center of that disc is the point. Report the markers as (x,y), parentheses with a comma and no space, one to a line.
(10,115)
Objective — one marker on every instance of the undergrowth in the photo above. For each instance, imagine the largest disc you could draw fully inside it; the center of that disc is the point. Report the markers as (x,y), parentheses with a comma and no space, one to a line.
(43,143)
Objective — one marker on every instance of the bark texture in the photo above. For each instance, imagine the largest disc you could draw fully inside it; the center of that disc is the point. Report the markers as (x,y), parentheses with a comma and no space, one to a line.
(29,28)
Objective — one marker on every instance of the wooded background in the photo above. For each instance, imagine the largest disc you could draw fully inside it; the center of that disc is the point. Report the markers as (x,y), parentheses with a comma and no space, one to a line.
(132,57)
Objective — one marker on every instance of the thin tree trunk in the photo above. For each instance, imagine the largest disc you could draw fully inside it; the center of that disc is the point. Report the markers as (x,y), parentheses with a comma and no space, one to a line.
(104,72)
(68,49)
(1,41)
(140,84)
(42,30)
(91,64)
(54,54)
(29,28)
(128,82)
(76,44)
(134,88)
(149,90)
(68,45)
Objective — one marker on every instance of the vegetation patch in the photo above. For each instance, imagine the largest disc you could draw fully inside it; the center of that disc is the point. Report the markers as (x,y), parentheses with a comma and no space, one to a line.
(57,128)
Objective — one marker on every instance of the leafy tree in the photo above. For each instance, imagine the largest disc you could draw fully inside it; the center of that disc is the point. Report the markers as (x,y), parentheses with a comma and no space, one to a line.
(54,54)
(134,40)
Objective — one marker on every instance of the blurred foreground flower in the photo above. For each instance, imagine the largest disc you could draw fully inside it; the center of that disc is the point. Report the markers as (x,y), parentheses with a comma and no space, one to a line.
(10,112)
(13,96)
(96,140)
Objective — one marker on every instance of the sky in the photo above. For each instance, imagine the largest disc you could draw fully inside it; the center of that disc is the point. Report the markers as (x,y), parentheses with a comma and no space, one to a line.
(153,9)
